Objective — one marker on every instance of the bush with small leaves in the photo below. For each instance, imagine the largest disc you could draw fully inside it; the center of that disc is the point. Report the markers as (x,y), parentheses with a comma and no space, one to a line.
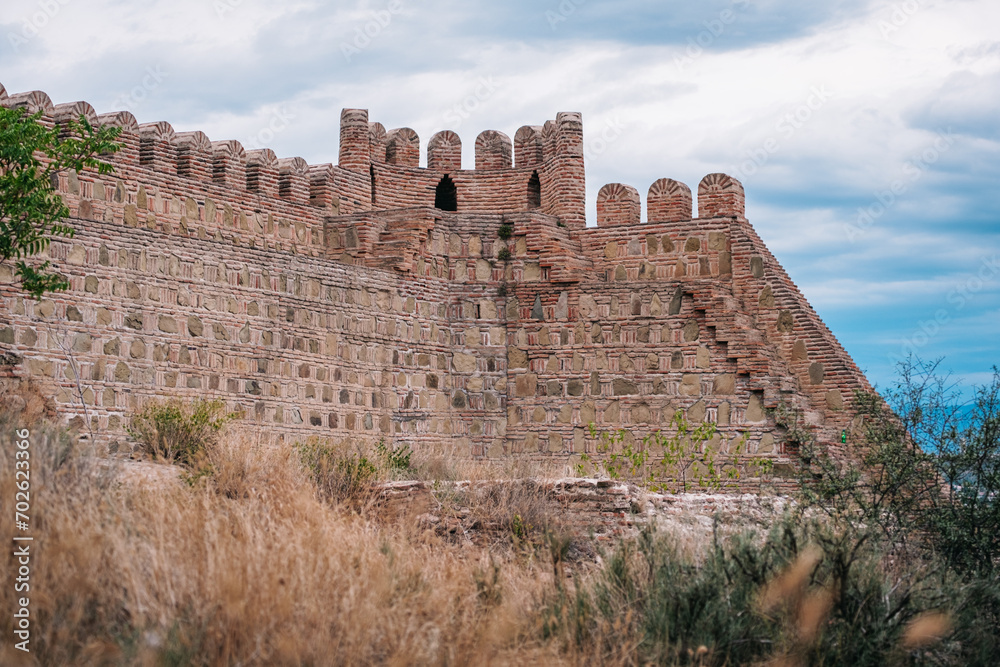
(396,460)
(339,475)
(178,432)
(671,459)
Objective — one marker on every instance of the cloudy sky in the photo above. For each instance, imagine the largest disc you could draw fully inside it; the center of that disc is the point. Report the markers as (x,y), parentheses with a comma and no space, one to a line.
(865,132)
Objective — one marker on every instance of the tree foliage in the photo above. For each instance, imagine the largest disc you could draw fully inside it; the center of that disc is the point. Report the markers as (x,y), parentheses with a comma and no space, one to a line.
(929,473)
(31,158)
(966,521)
(926,494)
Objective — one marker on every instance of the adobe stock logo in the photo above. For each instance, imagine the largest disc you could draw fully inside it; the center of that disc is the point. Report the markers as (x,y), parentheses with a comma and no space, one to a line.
(280,118)
(913,170)
(598,145)
(32,25)
(714,29)
(462,111)
(958,297)
(566,9)
(787,126)
(134,98)
(900,16)
(364,35)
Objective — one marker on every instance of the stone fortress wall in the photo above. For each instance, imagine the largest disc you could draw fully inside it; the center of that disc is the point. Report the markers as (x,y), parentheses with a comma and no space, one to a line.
(370,299)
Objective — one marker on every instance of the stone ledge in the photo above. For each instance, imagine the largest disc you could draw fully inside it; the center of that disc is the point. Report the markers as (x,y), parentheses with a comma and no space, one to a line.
(606,508)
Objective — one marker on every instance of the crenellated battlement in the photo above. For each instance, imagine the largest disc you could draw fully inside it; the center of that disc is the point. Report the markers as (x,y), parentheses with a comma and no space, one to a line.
(444,152)
(719,196)
(541,169)
(375,298)
(377,169)
(33,101)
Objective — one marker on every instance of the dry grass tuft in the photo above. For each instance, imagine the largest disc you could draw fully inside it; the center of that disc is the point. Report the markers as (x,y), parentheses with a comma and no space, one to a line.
(22,400)
(786,590)
(926,629)
(812,613)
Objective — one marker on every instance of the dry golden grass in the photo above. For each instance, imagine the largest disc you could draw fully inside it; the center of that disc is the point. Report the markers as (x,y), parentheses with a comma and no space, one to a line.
(446,468)
(250,567)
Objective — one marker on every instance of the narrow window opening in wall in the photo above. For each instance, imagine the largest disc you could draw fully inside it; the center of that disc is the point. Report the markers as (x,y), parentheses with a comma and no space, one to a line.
(534,191)
(446,195)
(478,315)
(371,170)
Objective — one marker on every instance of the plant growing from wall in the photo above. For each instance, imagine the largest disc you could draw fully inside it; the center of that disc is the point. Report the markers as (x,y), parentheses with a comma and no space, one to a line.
(505,232)
(619,458)
(31,158)
(687,454)
(679,457)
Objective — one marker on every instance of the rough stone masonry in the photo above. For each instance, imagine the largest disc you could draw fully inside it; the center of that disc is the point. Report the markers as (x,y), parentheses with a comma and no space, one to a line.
(376,299)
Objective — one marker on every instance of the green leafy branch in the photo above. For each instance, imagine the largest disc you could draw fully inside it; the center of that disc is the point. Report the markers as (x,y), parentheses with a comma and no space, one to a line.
(31,158)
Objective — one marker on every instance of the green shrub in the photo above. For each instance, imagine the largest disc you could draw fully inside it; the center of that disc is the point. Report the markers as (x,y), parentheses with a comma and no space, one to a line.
(505,231)
(395,460)
(802,592)
(504,254)
(338,475)
(921,482)
(341,474)
(178,432)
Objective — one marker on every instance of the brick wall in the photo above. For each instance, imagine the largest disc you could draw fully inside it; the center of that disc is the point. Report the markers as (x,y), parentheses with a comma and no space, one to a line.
(336,301)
